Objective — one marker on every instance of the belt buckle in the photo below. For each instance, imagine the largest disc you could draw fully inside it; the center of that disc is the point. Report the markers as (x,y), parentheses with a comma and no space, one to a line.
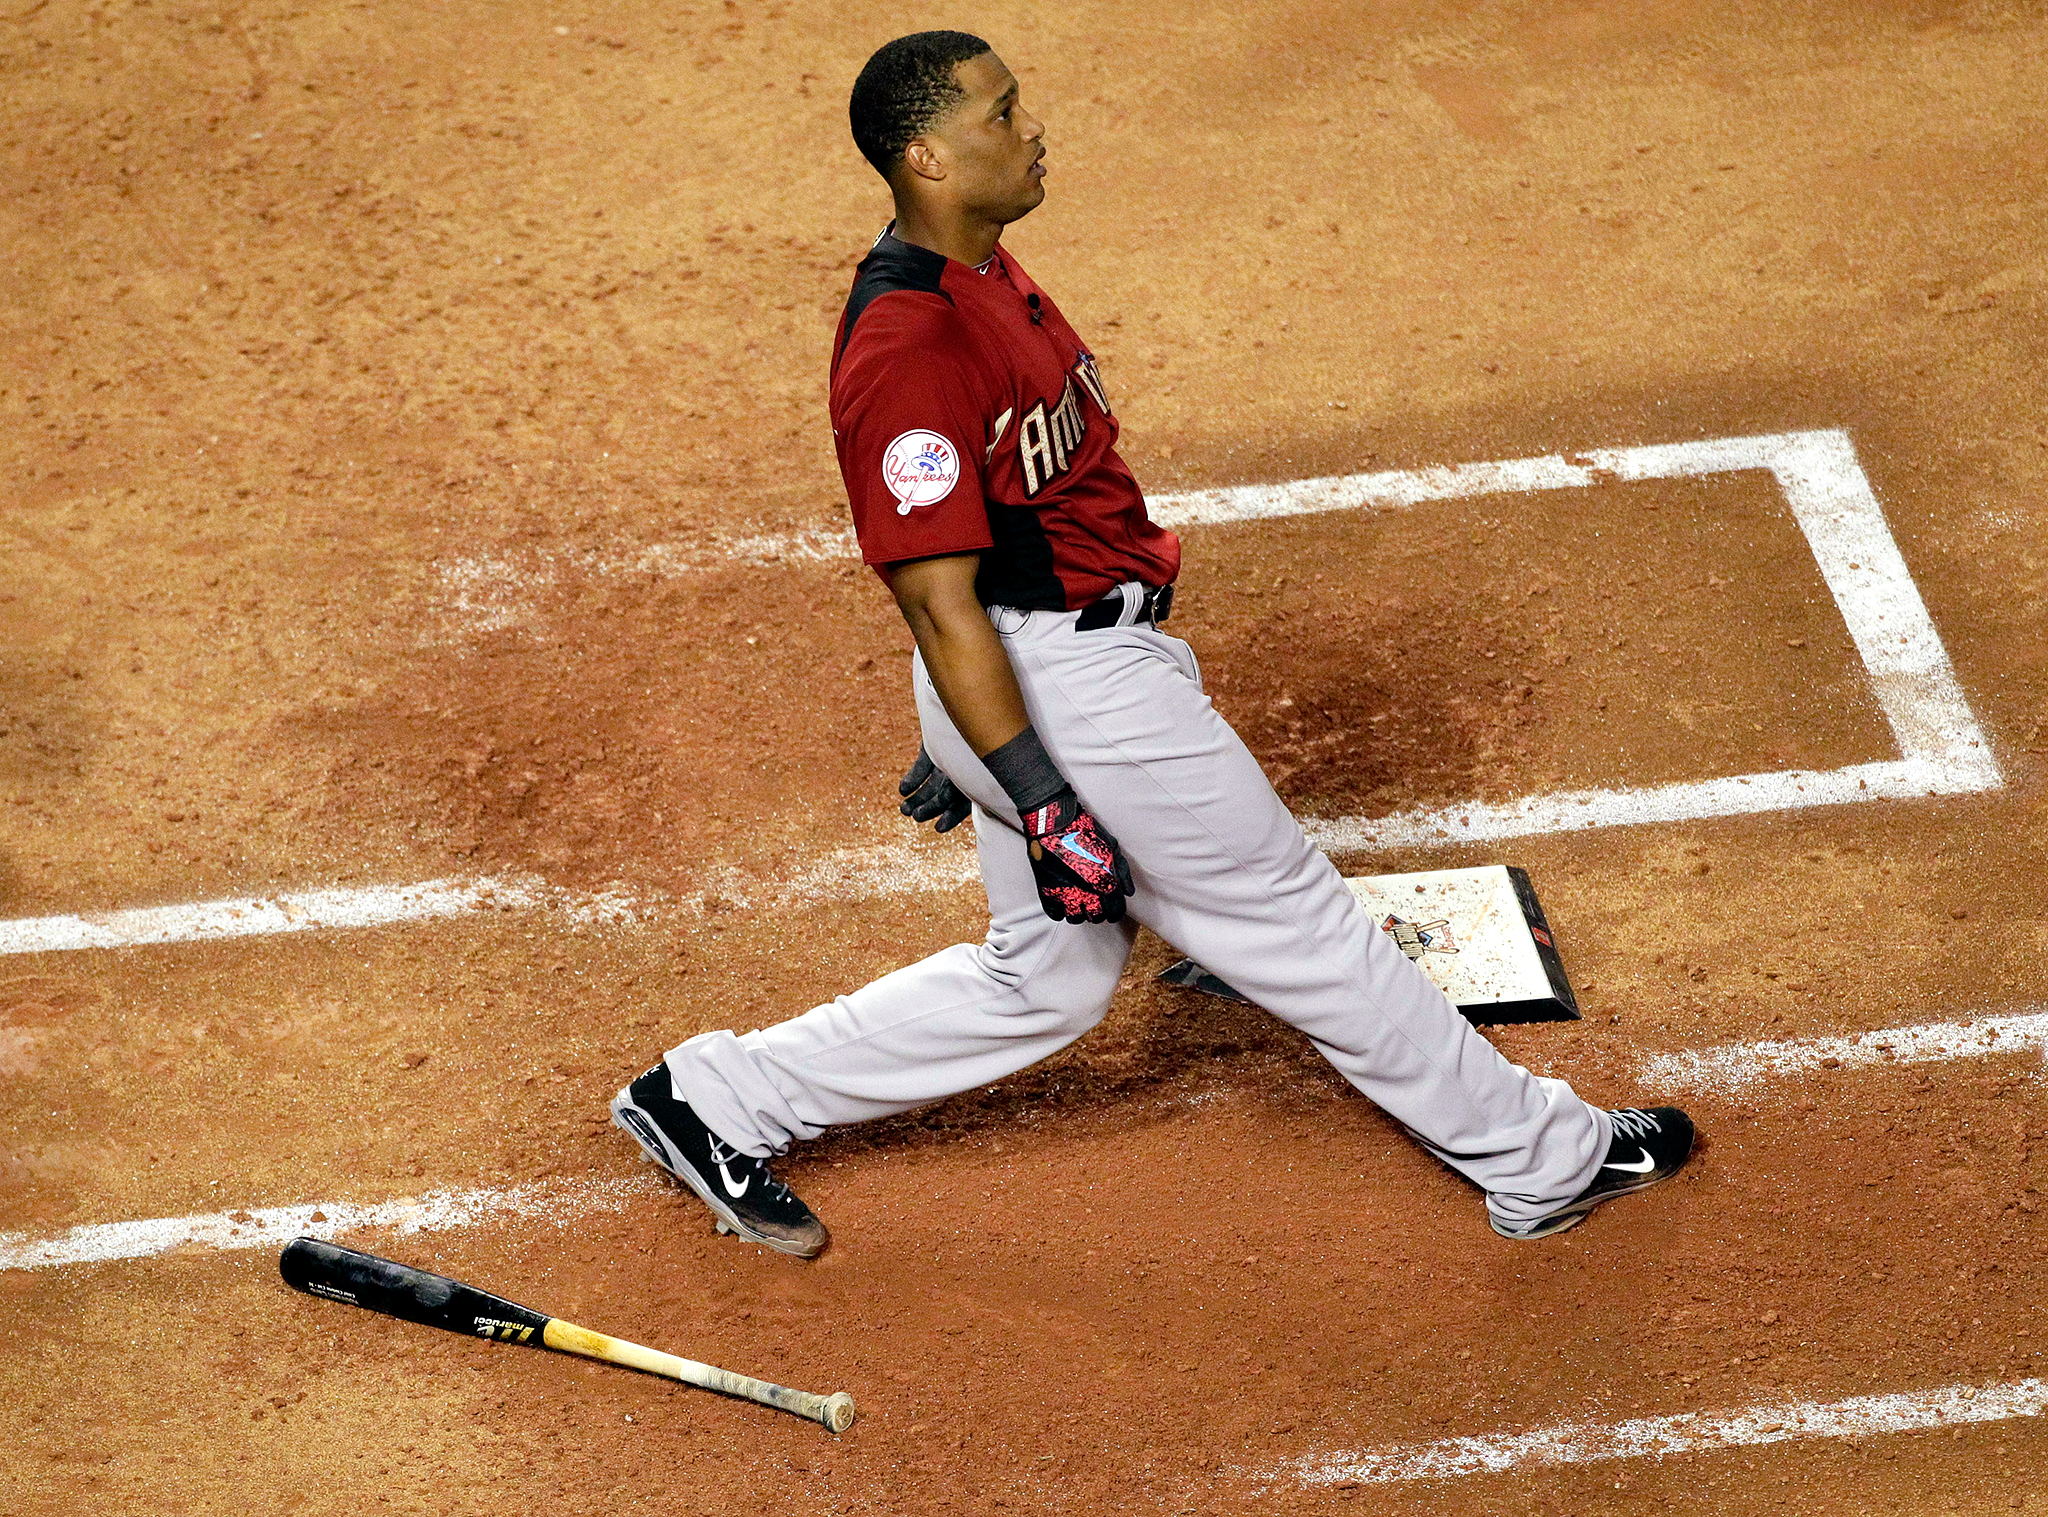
(1162,604)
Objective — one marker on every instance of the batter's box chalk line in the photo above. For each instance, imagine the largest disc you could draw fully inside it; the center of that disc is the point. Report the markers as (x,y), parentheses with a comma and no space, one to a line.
(1737,1066)
(495,592)
(902,866)
(1942,750)
(308,911)
(273,1226)
(1660,1437)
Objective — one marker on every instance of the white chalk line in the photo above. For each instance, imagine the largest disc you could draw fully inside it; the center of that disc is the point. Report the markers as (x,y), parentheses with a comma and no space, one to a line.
(896,867)
(307,911)
(867,872)
(494,592)
(1662,1437)
(1683,801)
(274,1226)
(1720,1069)
(1734,1067)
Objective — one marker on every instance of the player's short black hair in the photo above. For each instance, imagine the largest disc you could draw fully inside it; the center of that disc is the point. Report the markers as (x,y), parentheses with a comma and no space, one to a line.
(904,88)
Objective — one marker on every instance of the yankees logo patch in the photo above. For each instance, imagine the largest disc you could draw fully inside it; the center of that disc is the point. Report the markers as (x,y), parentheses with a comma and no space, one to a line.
(920,468)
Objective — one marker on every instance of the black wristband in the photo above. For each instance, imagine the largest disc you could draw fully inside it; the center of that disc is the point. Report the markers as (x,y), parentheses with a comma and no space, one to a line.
(1025,771)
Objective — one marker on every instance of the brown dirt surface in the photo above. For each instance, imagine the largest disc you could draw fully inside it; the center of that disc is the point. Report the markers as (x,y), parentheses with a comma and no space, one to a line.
(416,443)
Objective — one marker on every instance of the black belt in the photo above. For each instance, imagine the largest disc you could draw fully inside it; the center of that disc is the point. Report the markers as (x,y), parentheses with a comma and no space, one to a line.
(1114,609)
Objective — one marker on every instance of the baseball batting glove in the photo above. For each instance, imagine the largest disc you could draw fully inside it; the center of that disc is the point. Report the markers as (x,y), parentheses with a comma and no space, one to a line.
(928,793)
(1082,874)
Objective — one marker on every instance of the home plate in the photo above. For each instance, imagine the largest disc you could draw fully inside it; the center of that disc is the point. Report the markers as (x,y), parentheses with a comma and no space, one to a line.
(1479,933)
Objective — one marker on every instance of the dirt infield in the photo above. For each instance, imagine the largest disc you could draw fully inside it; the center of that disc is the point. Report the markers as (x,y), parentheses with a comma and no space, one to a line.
(418,469)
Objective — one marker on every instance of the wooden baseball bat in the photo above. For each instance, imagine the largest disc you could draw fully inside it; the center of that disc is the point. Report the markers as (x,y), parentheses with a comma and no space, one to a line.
(414,1295)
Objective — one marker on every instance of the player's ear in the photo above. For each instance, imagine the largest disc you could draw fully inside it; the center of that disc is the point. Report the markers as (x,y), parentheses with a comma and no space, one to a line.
(923,160)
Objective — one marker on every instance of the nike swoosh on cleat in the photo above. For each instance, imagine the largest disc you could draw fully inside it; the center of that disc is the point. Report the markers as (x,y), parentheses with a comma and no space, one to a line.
(725,1176)
(1643,1168)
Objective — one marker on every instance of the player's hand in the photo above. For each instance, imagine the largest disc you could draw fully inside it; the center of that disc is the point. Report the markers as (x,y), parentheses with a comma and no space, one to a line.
(928,793)
(1082,873)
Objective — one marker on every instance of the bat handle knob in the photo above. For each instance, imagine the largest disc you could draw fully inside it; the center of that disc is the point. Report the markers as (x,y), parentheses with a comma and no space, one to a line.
(837,1412)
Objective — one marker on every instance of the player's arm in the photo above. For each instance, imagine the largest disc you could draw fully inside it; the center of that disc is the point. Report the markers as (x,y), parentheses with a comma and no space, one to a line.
(962,653)
(1082,874)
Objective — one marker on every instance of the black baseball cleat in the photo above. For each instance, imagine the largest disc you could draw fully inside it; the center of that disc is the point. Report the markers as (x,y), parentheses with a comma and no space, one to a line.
(1647,1146)
(745,1197)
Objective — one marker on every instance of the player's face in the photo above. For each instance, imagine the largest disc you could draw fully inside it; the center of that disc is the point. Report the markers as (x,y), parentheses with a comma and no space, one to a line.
(992,147)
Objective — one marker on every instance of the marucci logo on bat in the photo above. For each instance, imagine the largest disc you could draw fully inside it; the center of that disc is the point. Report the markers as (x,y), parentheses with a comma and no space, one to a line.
(502,1331)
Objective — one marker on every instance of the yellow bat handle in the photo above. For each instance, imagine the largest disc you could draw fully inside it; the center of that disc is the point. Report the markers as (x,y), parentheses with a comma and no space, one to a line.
(834,1411)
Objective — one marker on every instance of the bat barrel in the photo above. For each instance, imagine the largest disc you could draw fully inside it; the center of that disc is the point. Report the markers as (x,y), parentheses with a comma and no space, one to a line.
(399,1290)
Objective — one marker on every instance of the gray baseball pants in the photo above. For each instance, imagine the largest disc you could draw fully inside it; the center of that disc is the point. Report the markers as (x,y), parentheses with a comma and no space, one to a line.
(1222,872)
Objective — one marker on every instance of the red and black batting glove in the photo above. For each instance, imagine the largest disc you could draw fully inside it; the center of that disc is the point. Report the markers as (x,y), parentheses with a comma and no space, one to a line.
(1082,873)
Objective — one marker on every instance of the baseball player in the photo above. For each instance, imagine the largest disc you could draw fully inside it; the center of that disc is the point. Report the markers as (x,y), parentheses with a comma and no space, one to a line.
(979,453)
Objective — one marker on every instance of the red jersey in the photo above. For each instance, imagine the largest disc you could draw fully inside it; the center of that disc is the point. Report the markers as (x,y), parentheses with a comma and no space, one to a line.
(970,418)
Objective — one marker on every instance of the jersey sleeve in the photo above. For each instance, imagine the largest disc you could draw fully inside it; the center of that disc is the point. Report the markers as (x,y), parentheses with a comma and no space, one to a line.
(908,423)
